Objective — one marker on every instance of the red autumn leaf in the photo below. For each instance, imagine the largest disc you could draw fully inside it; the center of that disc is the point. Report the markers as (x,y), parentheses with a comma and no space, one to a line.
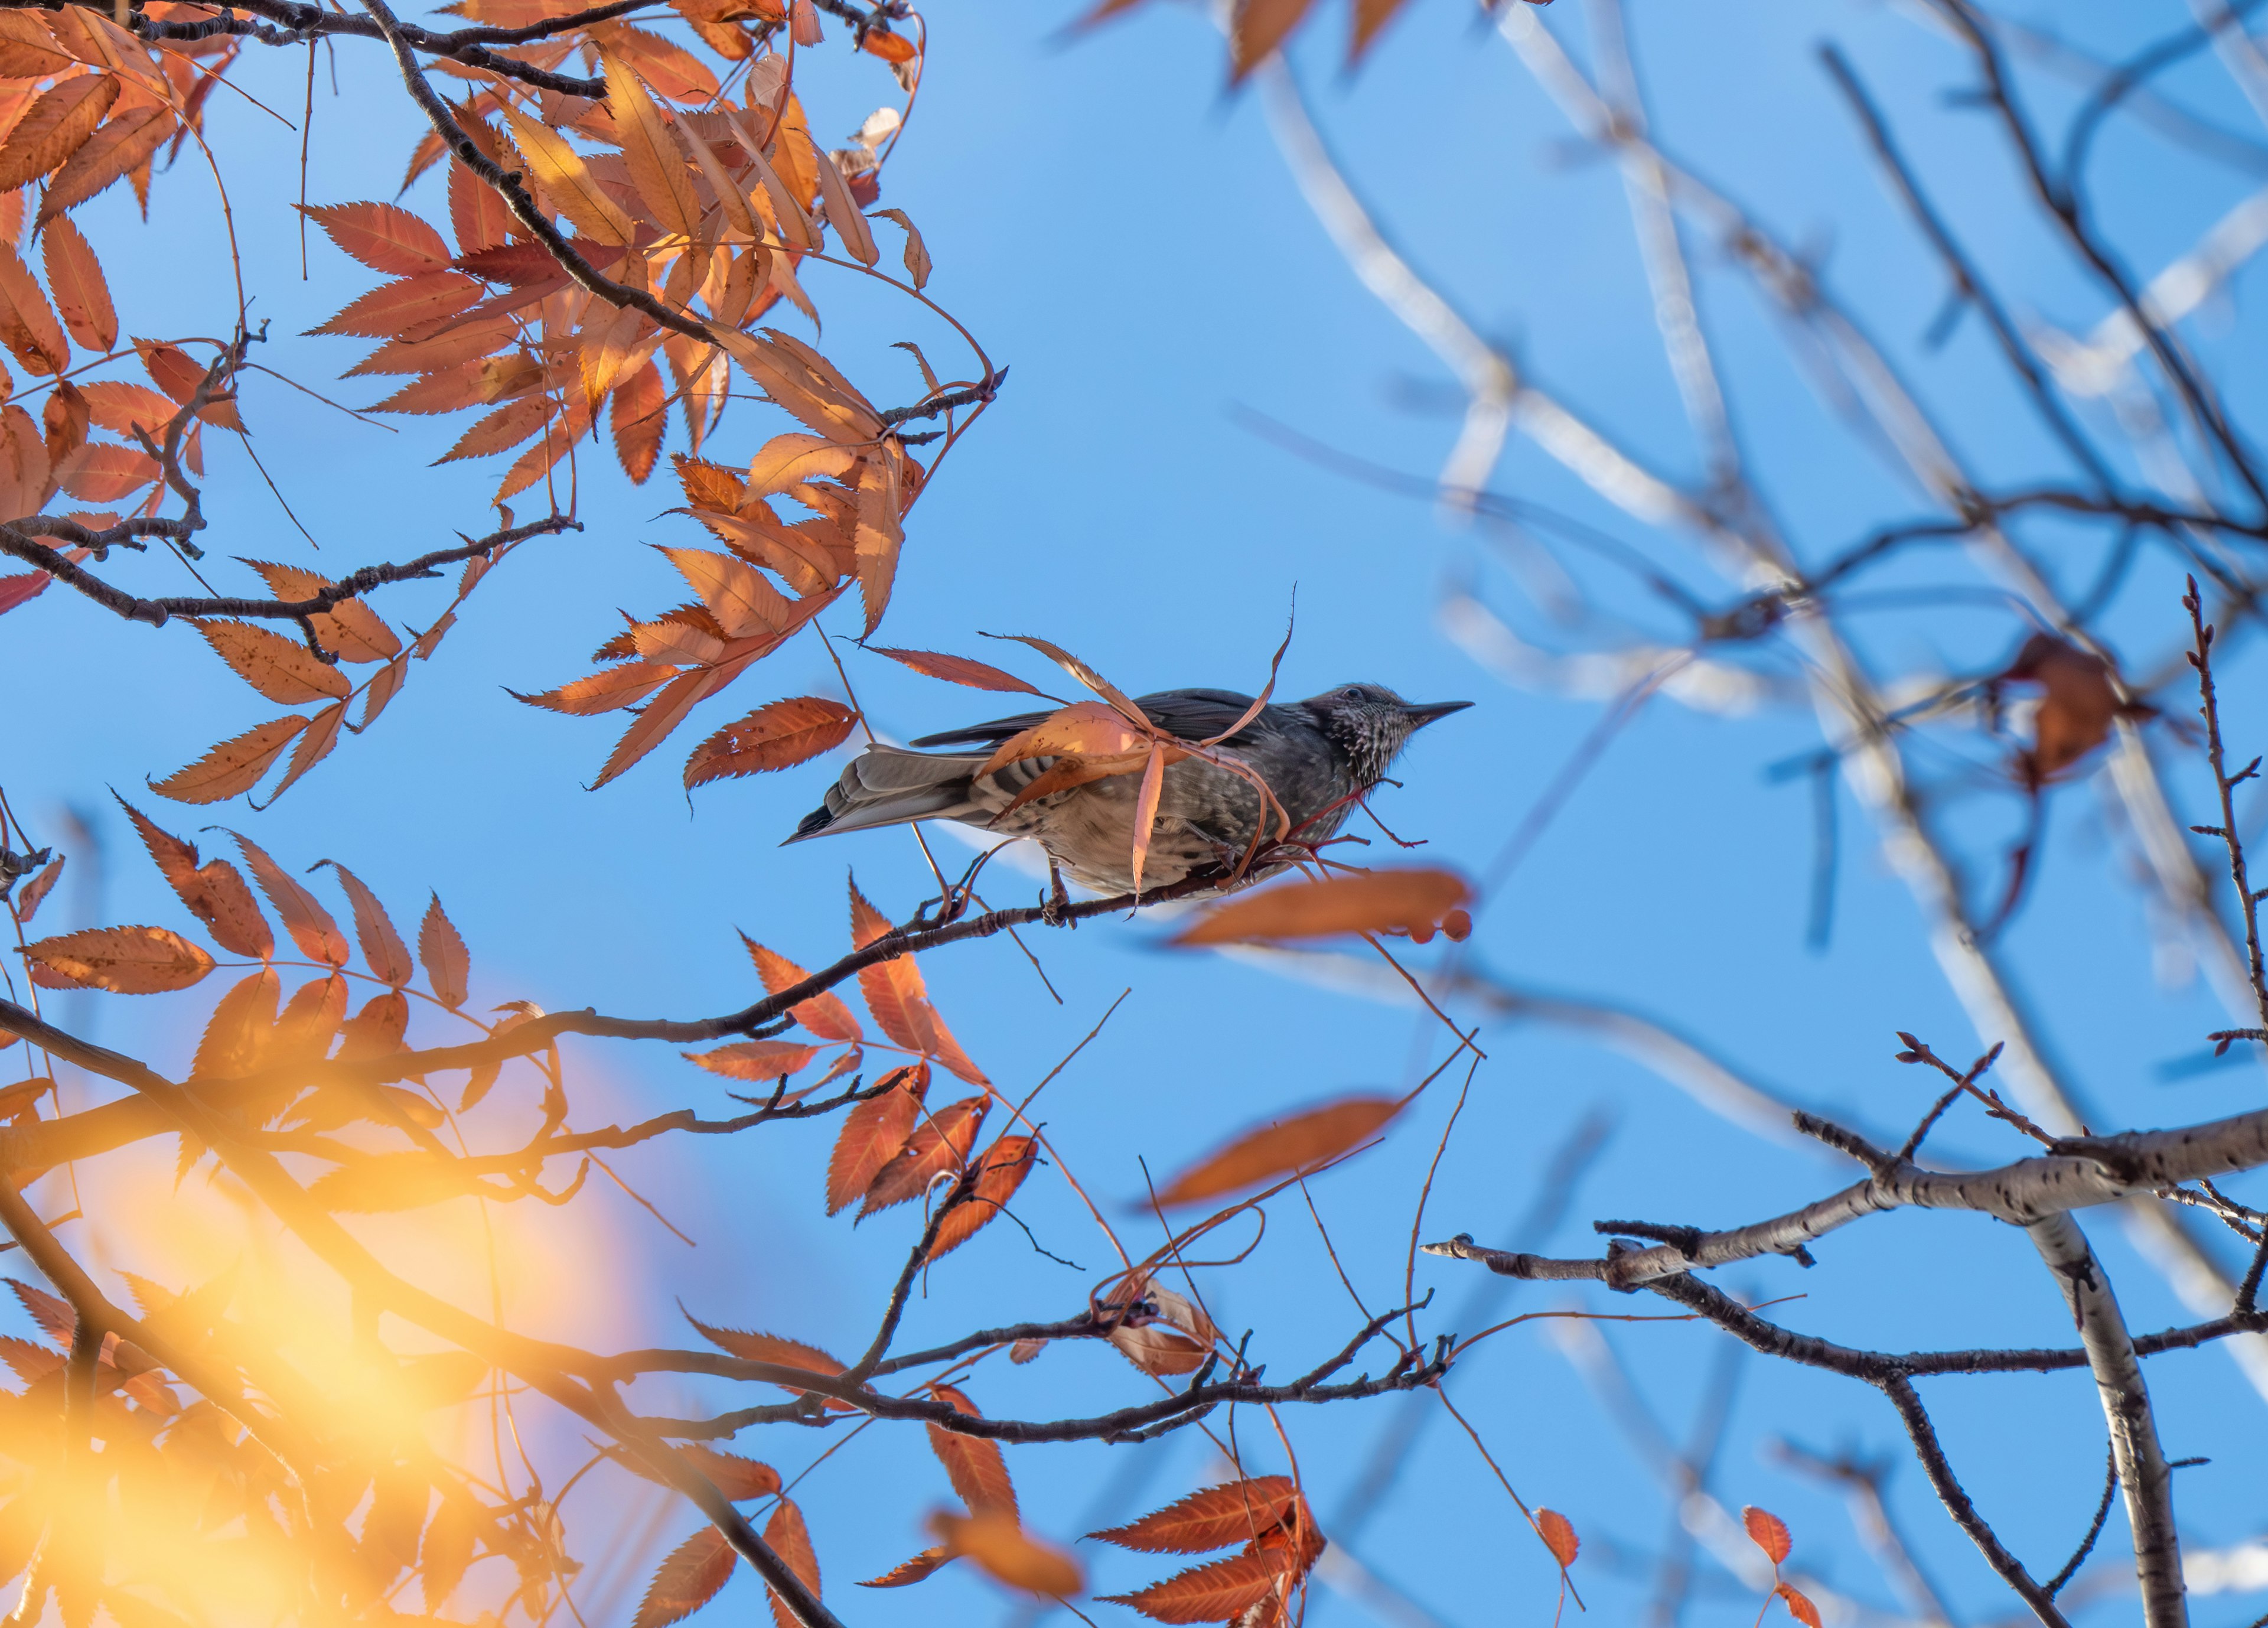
(383,951)
(376,1031)
(125,961)
(215,894)
(772,1348)
(233,767)
(1799,1605)
(641,414)
(977,1467)
(779,735)
(824,1014)
(1300,1141)
(687,1580)
(392,309)
(872,1134)
(382,237)
(958,670)
(904,1571)
(26,902)
(1220,1593)
(738,1478)
(940,1143)
(899,999)
(1407,901)
(1214,1517)
(310,1020)
(790,1541)
(761,1060)
(441,949)
(236,1036)
(1767,1532)
(1558,1535)
(308,923)
(2075,715)
(1000,1171)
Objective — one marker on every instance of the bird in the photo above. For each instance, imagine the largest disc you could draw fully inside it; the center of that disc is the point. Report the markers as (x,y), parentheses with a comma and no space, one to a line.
(1317,757)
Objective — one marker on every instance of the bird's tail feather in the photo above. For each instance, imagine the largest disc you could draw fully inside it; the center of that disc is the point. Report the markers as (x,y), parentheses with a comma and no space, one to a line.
(888,785)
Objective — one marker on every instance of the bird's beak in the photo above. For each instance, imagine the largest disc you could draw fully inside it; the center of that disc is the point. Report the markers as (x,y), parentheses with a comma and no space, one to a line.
(1419,716)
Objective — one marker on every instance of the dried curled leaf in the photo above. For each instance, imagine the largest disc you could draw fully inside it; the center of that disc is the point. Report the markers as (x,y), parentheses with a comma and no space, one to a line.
(1301,1141)
(1176,1339)
(1403,901)
(913,1571)
(125,961)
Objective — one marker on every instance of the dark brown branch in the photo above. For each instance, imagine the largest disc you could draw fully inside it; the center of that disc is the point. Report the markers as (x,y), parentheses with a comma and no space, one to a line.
(2248,903)
(18,539)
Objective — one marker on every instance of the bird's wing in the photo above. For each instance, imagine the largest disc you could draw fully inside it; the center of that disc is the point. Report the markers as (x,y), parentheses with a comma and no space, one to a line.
(1192,714)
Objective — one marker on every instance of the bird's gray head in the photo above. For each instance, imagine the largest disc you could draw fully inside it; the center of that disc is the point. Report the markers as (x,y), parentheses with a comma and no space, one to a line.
(1369,724)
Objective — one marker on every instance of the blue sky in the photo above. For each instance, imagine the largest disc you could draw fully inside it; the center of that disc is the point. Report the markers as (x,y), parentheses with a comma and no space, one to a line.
(1120,230)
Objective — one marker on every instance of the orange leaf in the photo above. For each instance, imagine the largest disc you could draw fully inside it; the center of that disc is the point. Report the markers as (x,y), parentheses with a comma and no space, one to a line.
(939,1145)
(279,668)
(995,1542)
(28,896)
(100,473)
(1145,810)
(376,1031)
(824,1014)
(1000,1171)
(641,414)
(215,896)
(671,70)
(743,604)
(776,736)
(843,214)
(1084,729)
(687,1580)
(772,1348)
(877,537)
(233,766)
(119,148)
(81,295)
(1799,1605)
(566,181)
(382,237)
(322,734)
(308,923)
(54,127)
(1260,26)
(1220,1593)
(913,1571)
(790,1541)
(891,47)
(873,1132)
(1412,900)
(125,961)
(899,999)
(392,309)
(917,261)
(975,1466)
(502,429)
(958,670)
(656,167)
(786,461)
(1296,1142)
(27,323)
(350,630)
(1215,1517)
(1767,1532)
(1558,1535)
(383,951)
(441,949)
(310,1018)
(237,1034)
(604,691)
(754,1060)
